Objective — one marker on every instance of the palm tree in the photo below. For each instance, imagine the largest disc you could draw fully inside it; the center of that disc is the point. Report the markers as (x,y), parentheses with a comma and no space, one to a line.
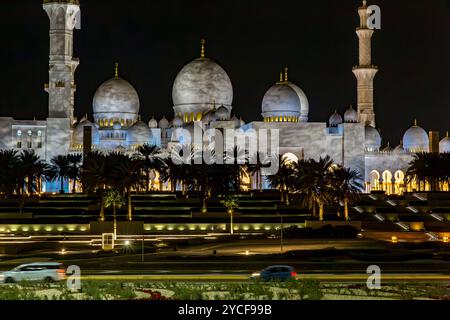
(60,166)
(283,180)
(9,163)
(313,183)
(96,176)
(152,161)
(425,167)
(231,202)
(347,185)
(74,171)
(114,199)
(33,170)
(127,175)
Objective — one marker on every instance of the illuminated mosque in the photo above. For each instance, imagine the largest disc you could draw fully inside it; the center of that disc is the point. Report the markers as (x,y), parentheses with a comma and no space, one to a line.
(203,95)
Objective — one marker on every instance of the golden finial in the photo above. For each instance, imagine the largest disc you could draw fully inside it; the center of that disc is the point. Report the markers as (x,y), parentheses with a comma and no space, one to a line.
(281,76)
(202,54)
(415,122)
(116,70)
(446,134)
(286,78)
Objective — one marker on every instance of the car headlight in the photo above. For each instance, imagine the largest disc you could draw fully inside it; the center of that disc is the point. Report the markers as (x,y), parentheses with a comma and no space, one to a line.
(256,274)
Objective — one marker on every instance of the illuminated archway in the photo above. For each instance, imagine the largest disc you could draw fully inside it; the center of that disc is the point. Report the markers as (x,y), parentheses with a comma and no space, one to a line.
(290,158)
(374,180)
(399,182)
(387,182)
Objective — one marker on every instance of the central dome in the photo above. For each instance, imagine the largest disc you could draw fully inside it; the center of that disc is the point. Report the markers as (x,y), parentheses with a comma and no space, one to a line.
(200,86)
(116,100)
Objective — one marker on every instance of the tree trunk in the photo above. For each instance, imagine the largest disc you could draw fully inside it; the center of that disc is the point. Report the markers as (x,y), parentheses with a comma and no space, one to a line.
(74,186)
(321,210)
(130,208)
(115,221)
(61,191)
(347,217)
(102,209)
(147,177)
(231,221)
(30,185)
(204,206)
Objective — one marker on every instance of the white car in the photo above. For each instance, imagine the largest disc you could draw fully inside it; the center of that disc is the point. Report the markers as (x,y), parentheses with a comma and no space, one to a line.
(44,271)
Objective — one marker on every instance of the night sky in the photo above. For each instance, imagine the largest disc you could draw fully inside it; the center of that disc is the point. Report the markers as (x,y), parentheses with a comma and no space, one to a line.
(252,40)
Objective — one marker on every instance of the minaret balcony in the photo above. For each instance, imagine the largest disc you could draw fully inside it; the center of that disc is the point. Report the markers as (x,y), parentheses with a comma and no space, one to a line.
(366,67)
(75,2)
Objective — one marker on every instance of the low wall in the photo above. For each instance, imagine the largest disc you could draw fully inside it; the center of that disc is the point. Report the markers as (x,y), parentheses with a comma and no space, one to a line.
(16,216)
(44,229)
(123,227)
(320,224)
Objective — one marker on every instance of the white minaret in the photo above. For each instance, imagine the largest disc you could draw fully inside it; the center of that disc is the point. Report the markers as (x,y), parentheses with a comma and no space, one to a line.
(64,17)
(365,72)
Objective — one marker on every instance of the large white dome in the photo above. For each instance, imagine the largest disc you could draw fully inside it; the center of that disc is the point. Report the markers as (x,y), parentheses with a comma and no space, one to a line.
(416,139)
(200,86)
(117,100)
(285,101)
(281,100)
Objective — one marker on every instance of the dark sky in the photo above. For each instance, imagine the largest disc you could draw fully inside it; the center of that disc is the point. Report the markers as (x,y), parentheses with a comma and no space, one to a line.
(252,40)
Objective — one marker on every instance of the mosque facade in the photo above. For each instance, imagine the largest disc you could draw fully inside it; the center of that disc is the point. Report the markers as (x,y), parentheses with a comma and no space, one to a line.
(203,96)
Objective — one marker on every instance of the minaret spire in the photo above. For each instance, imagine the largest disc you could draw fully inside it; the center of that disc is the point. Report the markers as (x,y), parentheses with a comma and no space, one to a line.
(365,72)
(116,70)
(202,51)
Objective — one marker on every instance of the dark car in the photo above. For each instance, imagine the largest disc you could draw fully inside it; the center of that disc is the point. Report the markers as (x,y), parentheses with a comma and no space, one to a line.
(275,273)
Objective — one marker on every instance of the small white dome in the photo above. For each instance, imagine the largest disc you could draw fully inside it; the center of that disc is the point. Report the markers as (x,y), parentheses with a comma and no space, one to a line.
(372,139)
(138,134)
(351,115)
(222,114)
(335,119)
(164,123)
(399,149)
(153,123)
(177,122)
(444,145)
(416,140)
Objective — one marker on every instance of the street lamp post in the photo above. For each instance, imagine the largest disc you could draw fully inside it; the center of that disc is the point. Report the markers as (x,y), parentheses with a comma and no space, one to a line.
(281,232)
